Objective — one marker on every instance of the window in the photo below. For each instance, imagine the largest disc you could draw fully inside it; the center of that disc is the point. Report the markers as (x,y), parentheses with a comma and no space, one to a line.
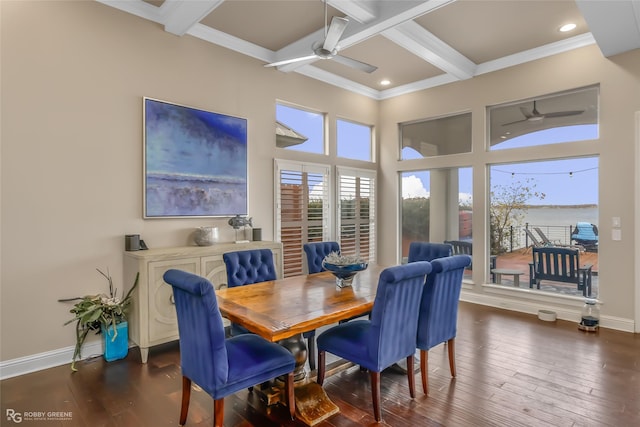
(301,130)
(540,204)
(435,137)
(302,210)
(356,212)
(550,119)
(431,202)
(353,140)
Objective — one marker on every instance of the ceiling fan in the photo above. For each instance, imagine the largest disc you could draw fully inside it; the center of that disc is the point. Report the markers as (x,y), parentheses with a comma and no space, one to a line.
(328,48)
(536,116)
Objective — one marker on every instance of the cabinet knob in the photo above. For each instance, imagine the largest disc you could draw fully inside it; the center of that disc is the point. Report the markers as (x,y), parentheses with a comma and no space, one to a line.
(172,300)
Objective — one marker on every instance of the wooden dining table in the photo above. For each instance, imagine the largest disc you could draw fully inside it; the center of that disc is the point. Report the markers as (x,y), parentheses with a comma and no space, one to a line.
(281,310)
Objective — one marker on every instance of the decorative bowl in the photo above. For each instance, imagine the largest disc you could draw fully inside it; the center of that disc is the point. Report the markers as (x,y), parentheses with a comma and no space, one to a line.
(344,272)
(206,236)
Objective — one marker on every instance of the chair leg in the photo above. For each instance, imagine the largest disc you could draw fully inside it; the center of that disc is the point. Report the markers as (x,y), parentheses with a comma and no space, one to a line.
(311,352)
(321,367)
(452,356)
(375,394)
(424,366)
(218,412)
(186,395)
(291,400)
(411,376)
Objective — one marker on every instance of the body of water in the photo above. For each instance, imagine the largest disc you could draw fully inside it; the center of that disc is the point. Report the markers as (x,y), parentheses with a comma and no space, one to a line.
(561,216)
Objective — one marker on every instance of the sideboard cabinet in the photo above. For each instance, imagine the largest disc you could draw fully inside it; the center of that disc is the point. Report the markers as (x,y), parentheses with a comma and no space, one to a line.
(152,316)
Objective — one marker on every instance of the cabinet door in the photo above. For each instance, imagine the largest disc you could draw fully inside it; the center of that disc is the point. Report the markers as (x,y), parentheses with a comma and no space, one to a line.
(163,323)
(214,269)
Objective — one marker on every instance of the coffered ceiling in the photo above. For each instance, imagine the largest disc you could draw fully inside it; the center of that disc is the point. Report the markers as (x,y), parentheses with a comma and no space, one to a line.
(414,44)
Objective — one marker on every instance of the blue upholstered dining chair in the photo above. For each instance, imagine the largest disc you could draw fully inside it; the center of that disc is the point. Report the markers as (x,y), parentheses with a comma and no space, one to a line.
(316,252)
(254,266)
(427,251)
(217,365)
(438,318)
(245,268)
(390,334)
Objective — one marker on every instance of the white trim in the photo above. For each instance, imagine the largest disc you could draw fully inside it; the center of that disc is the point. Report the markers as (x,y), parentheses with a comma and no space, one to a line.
(637,223)
(48,359)
(566,308)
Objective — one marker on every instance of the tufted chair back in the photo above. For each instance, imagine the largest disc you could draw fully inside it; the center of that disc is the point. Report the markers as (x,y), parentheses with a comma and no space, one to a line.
(427,251)
(316,252)
(438,318)
(247,267)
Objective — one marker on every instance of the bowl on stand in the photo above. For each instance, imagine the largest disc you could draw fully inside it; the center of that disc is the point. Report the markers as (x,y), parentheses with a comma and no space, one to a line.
(344,272)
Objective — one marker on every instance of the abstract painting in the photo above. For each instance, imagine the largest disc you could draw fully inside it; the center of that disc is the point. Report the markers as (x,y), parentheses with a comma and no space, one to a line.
(195,162)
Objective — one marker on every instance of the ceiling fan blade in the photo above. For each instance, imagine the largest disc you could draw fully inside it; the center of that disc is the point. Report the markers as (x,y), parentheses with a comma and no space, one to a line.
(517,121)
(337,27)
(564,113)
(291,61)
(354,63)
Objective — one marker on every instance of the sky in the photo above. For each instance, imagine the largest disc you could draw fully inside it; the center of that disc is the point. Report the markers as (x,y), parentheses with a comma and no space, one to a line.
(564,182)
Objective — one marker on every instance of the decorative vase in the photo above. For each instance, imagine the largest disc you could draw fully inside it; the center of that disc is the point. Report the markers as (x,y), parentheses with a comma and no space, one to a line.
(117,347)
(206,236)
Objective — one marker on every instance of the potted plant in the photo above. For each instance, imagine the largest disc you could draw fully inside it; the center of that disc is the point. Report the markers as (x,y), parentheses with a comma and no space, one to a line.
(104,314)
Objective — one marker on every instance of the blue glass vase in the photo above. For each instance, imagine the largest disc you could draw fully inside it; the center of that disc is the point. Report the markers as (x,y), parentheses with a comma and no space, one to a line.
(117,347)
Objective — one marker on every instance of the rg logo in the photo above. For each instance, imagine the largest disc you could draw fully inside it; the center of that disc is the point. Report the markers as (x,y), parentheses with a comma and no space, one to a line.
(14,416)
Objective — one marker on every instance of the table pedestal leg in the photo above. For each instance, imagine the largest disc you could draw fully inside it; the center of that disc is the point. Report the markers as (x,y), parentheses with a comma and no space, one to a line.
(312,403)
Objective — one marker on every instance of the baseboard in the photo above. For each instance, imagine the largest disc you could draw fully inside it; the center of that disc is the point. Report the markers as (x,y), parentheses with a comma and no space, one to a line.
(564,308)
(48,359)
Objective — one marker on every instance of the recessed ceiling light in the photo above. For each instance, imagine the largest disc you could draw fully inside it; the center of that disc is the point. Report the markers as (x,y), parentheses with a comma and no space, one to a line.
(567,27)
(385,82)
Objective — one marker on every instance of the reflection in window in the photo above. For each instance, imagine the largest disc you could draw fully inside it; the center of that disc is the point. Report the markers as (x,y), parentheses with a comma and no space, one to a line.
(353,140)
(300,130)
(436,137)
(540,204)
(552,119)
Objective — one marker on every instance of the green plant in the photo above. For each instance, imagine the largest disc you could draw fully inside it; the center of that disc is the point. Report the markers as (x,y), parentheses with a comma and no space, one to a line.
(92,312)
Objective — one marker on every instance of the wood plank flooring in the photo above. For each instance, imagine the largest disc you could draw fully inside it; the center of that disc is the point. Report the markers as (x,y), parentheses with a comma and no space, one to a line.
(513,370)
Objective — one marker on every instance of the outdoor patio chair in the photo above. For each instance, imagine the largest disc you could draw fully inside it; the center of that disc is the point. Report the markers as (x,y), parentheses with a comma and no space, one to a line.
(461,247)
(535,243)
(547,242)
(560,265)
(586,234)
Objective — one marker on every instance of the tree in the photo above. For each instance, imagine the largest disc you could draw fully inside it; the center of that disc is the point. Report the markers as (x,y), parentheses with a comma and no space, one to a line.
(415,218)
(508,208)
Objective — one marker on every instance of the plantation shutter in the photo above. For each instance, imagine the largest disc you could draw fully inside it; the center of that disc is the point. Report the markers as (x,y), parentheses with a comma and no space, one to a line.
(302,210)
(357,212)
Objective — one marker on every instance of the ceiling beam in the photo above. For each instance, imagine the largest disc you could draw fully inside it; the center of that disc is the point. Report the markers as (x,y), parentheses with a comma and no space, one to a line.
(182,15)
(414,38)
(392,14)
(615,25)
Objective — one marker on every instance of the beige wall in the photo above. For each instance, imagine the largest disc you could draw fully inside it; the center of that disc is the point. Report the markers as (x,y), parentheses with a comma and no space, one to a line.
(73,78)
(619,79)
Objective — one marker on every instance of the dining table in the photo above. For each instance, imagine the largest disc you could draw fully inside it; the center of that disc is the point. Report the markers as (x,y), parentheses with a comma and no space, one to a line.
(281,310)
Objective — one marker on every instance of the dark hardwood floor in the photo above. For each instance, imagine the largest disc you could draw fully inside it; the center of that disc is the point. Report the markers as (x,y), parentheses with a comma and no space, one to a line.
(513,370)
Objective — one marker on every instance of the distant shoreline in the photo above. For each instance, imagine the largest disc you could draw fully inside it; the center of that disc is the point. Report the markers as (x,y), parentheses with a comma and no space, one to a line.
(560,206)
